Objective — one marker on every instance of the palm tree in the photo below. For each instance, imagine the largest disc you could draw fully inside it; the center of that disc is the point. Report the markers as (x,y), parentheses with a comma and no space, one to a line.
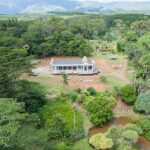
(65,78)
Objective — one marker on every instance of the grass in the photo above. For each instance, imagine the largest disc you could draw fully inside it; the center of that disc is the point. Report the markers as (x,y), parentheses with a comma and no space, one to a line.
(113,81)
(82,145)
(130,75)
(50,84)
(120,57)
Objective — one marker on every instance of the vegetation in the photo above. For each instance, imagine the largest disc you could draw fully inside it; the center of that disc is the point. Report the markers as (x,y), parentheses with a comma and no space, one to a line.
(29,119)
(116,138)
(65,78)
(144,124)
(58,115)
(100,108)
(142,103)
(128,94)
(101,142)
(11,115)
(31,94)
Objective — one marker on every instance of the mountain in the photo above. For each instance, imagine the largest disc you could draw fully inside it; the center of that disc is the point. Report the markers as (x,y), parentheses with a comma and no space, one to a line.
(119,7)
(90,6)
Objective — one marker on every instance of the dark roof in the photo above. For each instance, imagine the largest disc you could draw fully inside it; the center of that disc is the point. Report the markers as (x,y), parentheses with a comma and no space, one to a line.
(71,62)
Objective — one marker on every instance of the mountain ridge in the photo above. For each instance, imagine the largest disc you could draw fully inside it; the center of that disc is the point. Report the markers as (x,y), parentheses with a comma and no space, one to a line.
(36,6)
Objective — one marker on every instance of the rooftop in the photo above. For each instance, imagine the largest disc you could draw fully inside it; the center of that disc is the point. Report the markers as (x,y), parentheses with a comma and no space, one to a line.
(72,62)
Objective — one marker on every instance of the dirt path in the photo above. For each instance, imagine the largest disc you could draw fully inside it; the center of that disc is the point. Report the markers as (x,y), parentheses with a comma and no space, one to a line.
(122,109)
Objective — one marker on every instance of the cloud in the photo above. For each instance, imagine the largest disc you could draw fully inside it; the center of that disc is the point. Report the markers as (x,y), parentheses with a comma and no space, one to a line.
(9,3)
(106,1)
(41,8)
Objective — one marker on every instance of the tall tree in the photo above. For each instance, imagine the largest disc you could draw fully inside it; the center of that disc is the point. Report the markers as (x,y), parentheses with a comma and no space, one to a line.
(13,63)
(11,115)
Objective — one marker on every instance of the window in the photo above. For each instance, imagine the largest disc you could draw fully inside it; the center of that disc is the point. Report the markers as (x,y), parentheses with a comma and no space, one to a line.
(90,67)
(79,67)
(74,68)
(65,68)
(60,68)
(69,68)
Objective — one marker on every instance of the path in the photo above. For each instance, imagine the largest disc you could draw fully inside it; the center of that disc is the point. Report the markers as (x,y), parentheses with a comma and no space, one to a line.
(122,109)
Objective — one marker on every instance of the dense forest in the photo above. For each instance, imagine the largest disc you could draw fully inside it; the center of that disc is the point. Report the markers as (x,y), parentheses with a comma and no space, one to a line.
(28,120)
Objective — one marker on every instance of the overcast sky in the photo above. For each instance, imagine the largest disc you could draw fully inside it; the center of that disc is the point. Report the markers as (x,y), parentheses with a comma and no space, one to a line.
(31,6)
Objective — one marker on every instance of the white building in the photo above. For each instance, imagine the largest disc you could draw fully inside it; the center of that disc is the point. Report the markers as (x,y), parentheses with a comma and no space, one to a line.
(81,67)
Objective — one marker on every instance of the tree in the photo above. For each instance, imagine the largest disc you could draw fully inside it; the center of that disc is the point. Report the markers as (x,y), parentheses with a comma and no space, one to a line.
(32,94)
(101,142)
(100,108)
(30,134)
(145,63)
(142,103)
(13,63)
(128,94)
(11,115)
(65,78)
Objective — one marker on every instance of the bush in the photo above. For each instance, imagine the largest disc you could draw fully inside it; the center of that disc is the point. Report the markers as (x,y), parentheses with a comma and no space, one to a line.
(78,90)
(144,124)
(128,94)
(72,96)
(133,127)
(147,135)
(143,103)
(115,134)
(91,91)
(103,79)
(116,91)
(100,108)
(101,142)
(62,146)
(130,136)
(58,116)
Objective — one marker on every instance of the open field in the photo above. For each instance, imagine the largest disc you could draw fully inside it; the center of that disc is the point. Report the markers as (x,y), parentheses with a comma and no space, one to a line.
(53,83)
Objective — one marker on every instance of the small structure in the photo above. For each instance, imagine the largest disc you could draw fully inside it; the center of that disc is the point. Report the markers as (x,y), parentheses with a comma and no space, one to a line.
(81,67)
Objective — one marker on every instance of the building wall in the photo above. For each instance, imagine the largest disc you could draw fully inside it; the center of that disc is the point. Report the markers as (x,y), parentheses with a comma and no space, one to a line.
(76,69)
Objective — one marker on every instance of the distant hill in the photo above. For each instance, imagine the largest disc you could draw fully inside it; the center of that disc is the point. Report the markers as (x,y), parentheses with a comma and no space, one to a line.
(90,6)
(118,7)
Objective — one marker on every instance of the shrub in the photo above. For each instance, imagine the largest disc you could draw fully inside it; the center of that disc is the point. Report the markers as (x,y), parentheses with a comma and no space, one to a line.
(128,94)
(72,96)
(101,142)
(78,90)
(143,103)
(91,91)
(131,136)
(100,108)
(62,146)
(147,135)
(133,127)
(103,79)
(115,134)
(144,124)
(116,91)
(75,135)
(58,116)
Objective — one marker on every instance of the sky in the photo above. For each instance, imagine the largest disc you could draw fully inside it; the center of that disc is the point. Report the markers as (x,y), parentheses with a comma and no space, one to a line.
(31,6)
